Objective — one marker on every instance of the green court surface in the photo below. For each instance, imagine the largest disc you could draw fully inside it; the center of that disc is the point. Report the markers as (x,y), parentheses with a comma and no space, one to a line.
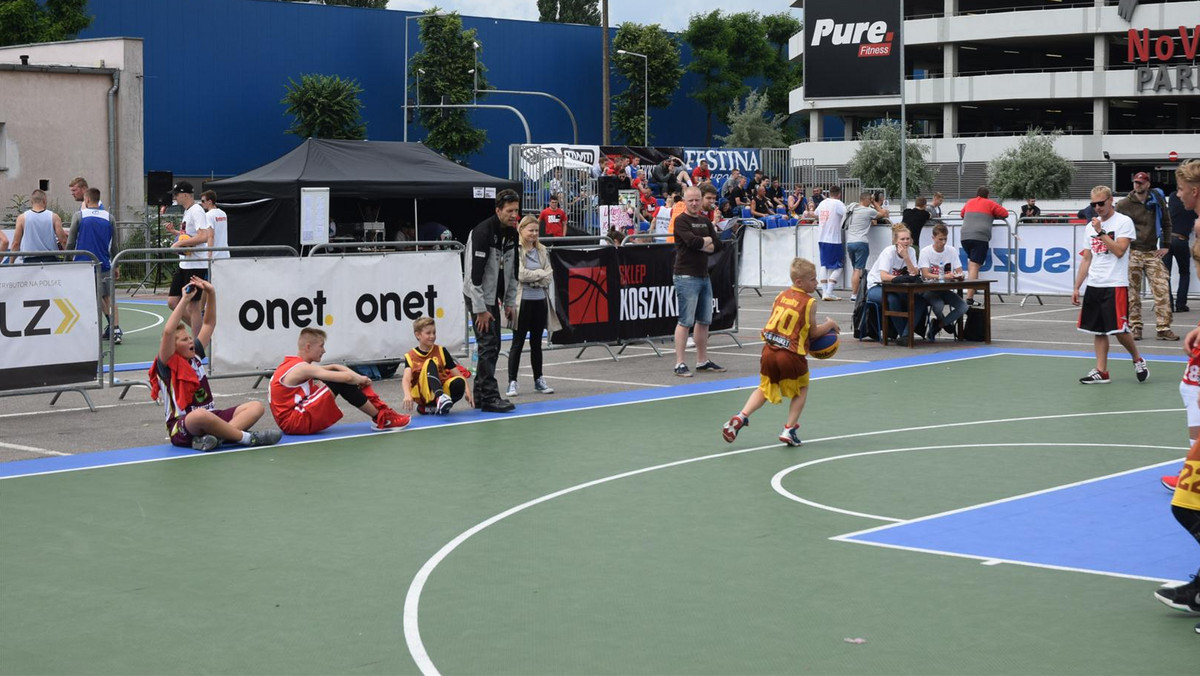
(383,553)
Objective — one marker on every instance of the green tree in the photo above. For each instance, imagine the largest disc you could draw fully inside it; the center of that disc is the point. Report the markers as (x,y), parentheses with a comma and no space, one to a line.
(726,51)
(447,57)
(1031,169)
(570,11)
(751,126)
(325,106)
(29,21)
(664,73)
(877,161)
(781,73)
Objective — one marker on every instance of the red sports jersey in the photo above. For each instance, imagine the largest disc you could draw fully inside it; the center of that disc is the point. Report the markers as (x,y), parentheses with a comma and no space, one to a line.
(306,408)
(1191,372)
(788,328)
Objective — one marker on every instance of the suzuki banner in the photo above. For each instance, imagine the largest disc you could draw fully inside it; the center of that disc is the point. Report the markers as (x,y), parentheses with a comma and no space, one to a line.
(1044,259)
(851,48)
(49,325)
(366,305)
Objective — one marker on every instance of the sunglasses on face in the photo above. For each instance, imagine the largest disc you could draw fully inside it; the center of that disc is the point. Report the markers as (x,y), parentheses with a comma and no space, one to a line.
(1100,203)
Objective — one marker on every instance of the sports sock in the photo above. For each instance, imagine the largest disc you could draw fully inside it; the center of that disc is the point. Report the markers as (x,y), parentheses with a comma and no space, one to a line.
(246,438)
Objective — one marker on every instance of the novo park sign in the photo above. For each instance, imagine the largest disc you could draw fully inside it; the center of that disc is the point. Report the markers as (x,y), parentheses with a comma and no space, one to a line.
(1165,76)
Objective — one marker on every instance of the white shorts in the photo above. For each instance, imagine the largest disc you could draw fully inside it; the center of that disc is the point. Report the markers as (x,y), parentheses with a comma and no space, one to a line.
(1189,393)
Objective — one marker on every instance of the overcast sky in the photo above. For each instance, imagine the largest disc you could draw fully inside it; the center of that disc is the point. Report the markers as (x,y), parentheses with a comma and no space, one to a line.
(671,15)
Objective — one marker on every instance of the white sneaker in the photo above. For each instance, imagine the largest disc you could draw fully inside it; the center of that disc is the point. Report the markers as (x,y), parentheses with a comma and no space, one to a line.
(512,389)
(830,296)
(691,343)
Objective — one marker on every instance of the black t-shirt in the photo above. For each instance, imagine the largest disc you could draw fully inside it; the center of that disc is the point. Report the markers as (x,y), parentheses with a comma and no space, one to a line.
(736,194)
(915,219)
(763,205)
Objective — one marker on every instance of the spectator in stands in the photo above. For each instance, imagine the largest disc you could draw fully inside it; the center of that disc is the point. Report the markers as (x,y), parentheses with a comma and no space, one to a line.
(695,240)
(860,216)
(179,377)
(534,312)
(915,218)
(195,234)
(38,231)
(730,183)
(661,223)
(830,215)
(753,184)
(738,194)
(976,234)
(648,203)
(302,405)
(432,381)
(708,203)
(797,203)
(1030,209)
(92,230)
(489,243)
(894,261)
(935,258)
(667,175)
(556,183)
(817,195)
(553,219)
(775,193)
(935,207)
(1183,223)
(624,178)
(1147,208)
(725,207)
(701,173)
(761,206)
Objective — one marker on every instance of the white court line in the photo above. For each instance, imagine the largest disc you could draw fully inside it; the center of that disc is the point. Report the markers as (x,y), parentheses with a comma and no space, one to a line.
(30,449)
(594,380)
(158,319)
(121,405)
(412,599)
(1144,345)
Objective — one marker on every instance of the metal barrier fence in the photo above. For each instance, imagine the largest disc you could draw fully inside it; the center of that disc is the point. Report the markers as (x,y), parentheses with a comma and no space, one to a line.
(81,387)
(543,172)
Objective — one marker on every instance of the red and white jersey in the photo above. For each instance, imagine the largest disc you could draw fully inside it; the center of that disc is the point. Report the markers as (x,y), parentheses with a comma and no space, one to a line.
(285,399)
(1191,372)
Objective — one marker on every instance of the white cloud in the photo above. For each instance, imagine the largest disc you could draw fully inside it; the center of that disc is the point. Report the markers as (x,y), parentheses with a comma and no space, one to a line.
(672,16)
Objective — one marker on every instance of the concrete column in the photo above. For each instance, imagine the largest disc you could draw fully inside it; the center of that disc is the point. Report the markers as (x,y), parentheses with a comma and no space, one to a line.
(949,120)
(848,129)
(1100,100)
(816,127)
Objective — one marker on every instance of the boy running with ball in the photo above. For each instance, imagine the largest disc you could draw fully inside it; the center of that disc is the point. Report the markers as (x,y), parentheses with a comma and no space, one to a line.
(784,366)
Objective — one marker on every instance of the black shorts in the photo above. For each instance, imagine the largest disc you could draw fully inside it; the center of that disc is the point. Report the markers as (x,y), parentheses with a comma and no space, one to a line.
(977,250)
(183,276)
(1105,310)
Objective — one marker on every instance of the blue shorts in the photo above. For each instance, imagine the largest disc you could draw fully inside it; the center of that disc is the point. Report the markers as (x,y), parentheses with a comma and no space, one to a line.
(859,253)
(977,250)
(832,255)
(694,296)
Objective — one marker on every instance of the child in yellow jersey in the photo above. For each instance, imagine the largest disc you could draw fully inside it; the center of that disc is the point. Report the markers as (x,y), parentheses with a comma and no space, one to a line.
(432,382)
(783,366)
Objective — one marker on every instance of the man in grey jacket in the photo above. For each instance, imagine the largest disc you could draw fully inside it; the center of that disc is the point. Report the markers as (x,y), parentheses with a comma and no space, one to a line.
(489,248)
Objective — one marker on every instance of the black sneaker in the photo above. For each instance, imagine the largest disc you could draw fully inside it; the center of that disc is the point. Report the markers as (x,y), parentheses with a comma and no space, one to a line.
(682,371)
(497,405)
(1142,371)
(1184,598)
(117,335)
(1095,377)
(709,366)
(934,327)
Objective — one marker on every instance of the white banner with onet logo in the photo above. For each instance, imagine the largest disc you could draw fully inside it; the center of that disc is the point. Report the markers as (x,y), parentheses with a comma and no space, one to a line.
(366,305)
(48,325)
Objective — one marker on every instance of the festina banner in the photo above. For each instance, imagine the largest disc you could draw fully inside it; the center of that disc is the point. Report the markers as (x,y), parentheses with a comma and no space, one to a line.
(722,161)
(587,292)
(365,304)
(851,48)
(49,332)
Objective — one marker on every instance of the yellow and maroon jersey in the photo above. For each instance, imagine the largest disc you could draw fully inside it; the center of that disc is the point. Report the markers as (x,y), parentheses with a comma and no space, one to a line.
(788,327)
(1187,491)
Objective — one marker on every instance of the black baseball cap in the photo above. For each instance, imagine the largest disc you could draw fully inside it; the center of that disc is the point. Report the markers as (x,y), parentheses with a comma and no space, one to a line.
(183,186)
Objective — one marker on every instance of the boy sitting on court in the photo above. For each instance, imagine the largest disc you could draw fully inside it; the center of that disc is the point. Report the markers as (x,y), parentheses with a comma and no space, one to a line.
(784,366)
(179,375)
(300,405)
(432,381)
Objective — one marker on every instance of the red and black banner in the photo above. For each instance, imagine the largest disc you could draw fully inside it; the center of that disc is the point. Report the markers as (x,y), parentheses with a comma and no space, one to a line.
(638,292)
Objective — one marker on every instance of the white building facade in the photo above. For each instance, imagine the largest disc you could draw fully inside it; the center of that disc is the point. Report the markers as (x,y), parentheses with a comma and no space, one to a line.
(1118,78)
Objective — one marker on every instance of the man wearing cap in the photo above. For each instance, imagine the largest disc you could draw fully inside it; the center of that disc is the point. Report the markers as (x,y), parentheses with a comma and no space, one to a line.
(196,232)
(1152,221)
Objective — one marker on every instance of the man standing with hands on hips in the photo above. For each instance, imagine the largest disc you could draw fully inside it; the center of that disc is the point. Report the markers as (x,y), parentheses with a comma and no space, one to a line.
(490,247)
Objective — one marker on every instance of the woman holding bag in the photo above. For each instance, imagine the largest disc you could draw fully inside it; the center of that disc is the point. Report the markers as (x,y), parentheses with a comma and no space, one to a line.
(535,310)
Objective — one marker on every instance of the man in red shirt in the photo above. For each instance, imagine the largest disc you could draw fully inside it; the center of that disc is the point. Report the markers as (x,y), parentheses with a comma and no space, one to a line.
(553,219)
(649,203)
(701,173)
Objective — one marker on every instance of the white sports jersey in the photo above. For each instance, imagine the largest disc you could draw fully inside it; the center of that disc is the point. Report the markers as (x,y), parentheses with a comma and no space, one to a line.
(830,214)
(1106,269)
(194,221)
(219,222)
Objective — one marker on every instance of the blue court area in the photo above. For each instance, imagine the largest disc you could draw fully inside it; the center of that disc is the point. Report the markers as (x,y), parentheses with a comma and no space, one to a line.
(1117,525)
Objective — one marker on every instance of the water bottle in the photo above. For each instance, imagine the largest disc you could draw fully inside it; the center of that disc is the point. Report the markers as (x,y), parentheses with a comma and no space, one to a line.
(474,350)
(941,274)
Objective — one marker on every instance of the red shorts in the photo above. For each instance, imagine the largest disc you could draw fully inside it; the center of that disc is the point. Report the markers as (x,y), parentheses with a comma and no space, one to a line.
(319,412)
(179,434)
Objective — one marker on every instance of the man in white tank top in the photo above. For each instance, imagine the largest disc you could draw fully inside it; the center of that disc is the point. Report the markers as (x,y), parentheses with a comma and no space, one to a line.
(39,230)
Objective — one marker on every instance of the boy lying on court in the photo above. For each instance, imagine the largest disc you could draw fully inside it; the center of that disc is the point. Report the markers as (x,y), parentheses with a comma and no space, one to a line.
(300,405)
(783,366)
(179,375)
(432,381)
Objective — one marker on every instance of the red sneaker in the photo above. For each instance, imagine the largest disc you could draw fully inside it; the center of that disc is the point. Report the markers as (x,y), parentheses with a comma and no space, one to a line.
(387,419)
(1170,482)
(730,431)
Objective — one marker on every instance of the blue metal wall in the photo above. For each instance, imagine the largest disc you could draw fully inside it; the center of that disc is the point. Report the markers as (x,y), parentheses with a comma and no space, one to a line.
(215,72)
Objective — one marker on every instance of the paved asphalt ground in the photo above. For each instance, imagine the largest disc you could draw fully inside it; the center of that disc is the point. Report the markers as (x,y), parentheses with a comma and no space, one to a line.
(30,427)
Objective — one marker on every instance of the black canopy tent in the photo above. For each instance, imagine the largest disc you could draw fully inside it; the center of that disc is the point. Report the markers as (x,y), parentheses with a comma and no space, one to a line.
(364,177)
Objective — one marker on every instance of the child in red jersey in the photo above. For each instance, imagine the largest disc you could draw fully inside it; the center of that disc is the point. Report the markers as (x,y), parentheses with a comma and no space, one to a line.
(784,366)
(301,405)
(432,381)
(179,376)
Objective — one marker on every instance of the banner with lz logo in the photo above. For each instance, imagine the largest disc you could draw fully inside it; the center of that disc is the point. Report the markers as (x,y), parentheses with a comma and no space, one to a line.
(49,333)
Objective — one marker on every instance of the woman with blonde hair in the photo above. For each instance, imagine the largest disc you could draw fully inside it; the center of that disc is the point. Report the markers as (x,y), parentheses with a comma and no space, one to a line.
(532,277)
(894,261)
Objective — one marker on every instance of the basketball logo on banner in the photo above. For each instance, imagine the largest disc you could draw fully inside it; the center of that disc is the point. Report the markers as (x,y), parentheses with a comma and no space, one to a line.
(587,291)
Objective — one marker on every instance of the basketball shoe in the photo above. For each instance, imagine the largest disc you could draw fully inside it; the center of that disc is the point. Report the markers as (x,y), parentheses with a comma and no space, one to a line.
(1185,597)
(735,424)
(790,436)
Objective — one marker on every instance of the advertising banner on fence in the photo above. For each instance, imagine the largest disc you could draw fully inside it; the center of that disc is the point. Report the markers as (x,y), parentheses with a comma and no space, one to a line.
(851,49)
(722,161)
(49,333)
(1043,259)
(366,305)
(628,292)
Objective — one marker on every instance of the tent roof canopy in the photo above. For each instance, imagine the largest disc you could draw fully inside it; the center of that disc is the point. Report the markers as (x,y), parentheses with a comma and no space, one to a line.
(362,169)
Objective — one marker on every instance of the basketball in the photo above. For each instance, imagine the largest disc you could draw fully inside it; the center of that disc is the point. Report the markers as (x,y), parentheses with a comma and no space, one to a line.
(824,347)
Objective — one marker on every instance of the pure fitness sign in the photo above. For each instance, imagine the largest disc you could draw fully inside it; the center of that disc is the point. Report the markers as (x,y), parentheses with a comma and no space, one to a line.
(851,49)
(1165,76)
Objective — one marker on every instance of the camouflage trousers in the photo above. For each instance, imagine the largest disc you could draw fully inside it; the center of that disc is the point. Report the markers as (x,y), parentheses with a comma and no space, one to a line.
(1151,266)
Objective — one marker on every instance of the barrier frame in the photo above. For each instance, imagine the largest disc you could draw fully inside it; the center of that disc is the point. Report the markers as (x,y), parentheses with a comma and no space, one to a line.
(1030,221)
(82,387)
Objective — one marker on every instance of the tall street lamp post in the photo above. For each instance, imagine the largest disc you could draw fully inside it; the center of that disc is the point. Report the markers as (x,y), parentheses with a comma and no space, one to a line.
(406,20)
